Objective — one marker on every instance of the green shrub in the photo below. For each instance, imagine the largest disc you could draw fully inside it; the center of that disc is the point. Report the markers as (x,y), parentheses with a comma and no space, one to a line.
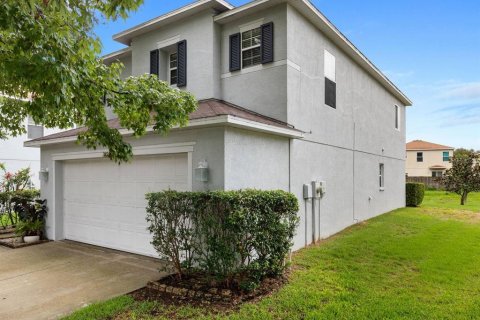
(237,237)
(415,193)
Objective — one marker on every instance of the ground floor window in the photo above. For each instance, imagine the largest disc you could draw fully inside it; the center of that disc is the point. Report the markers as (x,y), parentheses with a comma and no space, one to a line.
(437,174)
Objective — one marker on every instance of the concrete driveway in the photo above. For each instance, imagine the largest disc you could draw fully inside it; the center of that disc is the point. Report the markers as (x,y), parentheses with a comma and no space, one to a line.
(53,279)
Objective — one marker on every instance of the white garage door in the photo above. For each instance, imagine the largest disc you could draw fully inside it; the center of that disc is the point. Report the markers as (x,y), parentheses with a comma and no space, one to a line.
(104,203)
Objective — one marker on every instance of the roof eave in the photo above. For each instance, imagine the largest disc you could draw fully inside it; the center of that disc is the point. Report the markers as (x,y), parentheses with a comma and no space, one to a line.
(227,120)
(117,54)
(321,22)
(126,36)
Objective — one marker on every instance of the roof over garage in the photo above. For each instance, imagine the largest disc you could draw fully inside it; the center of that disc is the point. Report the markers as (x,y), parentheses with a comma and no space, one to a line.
(209,112)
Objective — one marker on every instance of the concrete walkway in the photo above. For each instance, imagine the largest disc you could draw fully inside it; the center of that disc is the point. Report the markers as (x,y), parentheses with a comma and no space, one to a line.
(51,280)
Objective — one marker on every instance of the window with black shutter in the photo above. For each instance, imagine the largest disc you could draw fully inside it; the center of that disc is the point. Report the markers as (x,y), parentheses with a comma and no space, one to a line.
(251,47)
(235,52)
(182,63)
(267,43)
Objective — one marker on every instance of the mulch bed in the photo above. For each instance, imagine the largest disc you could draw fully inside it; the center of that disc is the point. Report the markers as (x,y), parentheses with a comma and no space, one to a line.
(197,291)
(14,243)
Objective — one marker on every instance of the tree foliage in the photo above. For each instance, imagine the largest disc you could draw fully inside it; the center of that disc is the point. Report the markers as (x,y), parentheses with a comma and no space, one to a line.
(50,70)
(464,176)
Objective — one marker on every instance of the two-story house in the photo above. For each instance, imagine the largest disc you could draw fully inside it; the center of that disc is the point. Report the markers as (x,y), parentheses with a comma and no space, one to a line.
(284,99)
(427,159)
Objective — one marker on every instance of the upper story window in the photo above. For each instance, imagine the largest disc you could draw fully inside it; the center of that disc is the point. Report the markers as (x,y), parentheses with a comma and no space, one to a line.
(419,156)
(382,176)
(397,117)
(169,62)
(446,156)
(330,79)
(172,68)
(251,47)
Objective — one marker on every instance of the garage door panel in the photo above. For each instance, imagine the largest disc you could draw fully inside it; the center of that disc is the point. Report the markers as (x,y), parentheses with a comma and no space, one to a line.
(104,203)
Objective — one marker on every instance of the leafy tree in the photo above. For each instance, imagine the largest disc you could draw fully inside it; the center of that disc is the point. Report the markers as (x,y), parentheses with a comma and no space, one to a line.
(464,176)
(50,70)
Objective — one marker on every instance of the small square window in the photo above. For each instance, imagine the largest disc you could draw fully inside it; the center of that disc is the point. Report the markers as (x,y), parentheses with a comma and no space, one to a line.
(419,156)
(446,156)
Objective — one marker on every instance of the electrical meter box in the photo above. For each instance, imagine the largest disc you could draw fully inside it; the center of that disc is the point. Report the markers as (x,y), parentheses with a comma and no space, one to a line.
(307,191)
(318,189)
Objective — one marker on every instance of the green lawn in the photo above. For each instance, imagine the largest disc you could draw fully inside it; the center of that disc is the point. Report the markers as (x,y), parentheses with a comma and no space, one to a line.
(442,199)
(4,220)
(412,263)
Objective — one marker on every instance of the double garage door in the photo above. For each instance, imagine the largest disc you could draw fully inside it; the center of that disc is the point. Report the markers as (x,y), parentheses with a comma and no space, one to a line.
(104,203)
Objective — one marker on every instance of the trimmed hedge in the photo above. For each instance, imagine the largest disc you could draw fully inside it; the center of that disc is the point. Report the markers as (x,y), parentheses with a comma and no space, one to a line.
(237,237)
(415,193)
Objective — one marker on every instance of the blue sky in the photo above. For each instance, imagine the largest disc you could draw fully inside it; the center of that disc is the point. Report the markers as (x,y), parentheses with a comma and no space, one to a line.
(430,49)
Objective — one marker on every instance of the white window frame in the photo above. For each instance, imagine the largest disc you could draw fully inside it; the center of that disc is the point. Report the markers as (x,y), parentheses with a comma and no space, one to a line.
(397,117)
(170,69)
(381,176)
(259,45)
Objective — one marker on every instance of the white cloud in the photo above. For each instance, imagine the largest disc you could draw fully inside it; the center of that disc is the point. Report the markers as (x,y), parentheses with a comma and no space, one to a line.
(463,91)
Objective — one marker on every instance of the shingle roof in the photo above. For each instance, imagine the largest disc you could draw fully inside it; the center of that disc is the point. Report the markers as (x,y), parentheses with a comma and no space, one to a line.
(425,145)
(209,108)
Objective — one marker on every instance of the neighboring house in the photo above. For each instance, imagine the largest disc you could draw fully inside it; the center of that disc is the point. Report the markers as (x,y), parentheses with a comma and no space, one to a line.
(15,156)
(426,159)
(284,99)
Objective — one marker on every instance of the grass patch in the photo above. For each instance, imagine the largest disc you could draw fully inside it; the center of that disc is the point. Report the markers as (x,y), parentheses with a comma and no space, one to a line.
(412,263)
(5,220)
(443,199)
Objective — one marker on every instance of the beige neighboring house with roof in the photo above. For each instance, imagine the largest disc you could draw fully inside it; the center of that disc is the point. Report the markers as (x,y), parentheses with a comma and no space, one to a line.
(426,159)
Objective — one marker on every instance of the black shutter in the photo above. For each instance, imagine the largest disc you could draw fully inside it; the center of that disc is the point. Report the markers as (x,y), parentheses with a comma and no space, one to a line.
(267,42)
(154,57)
(182,63)
(330,93)
(235,52)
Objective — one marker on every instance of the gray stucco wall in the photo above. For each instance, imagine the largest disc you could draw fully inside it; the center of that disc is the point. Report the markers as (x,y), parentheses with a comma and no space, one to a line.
(255,160)
(209,145)
(343,146)
(202,52)
(260,88)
